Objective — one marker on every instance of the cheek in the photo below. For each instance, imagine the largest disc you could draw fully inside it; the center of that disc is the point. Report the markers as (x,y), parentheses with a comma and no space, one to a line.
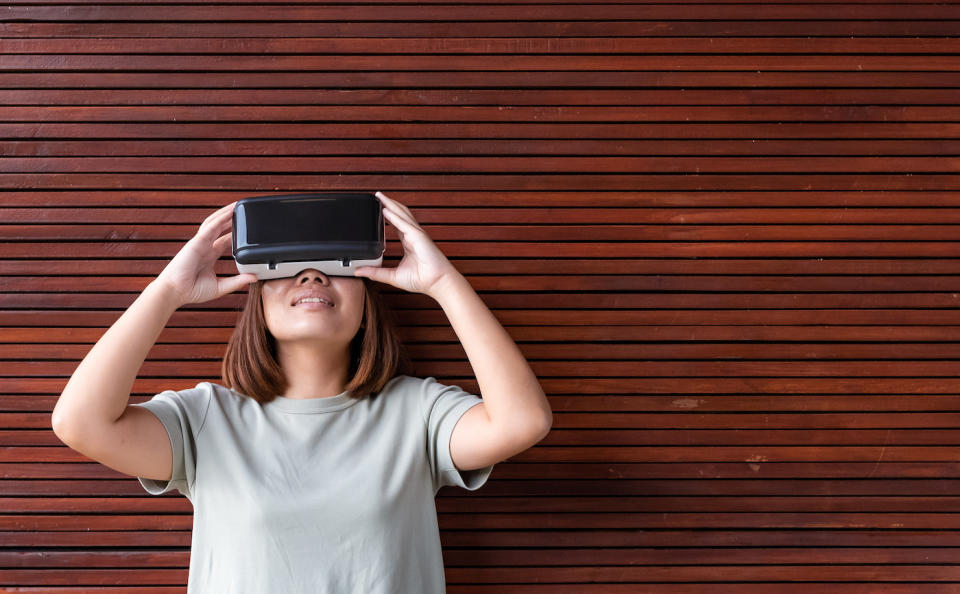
(361,302)
(271,310)
(267,315)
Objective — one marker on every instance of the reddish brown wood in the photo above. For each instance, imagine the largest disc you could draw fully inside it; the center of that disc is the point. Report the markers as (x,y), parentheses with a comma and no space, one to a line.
(514,46)
(472,13)
(518,12)
(651,129)
(724,234)
(818,28)
(806,63)
(176,223)
(633,197)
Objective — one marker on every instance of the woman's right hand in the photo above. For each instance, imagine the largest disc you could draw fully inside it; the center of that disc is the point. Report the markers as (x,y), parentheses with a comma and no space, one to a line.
(190,275)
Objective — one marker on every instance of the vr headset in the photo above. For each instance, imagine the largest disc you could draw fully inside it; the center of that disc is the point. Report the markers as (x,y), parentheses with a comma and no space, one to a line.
(335,233)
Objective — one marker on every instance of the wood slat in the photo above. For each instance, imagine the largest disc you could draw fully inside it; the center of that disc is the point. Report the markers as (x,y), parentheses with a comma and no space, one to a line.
(546,557)
(613,181)
(692,351)
(559,146)
(215,198)
(582,437)
(466,63)
(650,130)
(517,12)
(636,322)
(679,2)
(685,369)
(546,114)
(479,270)
(646,504)
(905,25)
(800,489)
(545,233)
(509,46)
(600,250)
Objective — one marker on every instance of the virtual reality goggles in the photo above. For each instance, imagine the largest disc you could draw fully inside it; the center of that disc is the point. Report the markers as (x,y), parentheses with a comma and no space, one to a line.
(335,233)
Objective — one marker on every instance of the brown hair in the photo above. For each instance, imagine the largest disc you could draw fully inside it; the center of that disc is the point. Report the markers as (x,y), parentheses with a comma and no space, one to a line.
(250,364)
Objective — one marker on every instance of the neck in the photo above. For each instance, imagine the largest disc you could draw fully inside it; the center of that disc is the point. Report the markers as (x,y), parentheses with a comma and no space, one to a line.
(311,371)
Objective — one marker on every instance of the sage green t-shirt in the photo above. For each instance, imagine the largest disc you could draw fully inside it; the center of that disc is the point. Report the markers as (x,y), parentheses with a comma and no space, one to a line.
(314,496)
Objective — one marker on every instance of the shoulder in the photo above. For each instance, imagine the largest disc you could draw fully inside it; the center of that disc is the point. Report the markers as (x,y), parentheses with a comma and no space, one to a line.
(228,401)
(189,398)
(401,383)
(420,392)
(204,395)
(420,387)
(434,398)
(187,407)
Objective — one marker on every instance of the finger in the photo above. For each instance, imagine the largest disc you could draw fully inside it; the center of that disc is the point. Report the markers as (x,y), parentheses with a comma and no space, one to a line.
(215,218)
(221,243)
(224,222)
(390,202)
(223,209)
(397,205)
(234,283)
(224,215)
(377,273)
(213,227)
(400,222)
(405,215)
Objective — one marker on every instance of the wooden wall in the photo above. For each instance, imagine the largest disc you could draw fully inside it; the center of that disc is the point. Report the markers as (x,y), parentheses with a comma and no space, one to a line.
(724,235)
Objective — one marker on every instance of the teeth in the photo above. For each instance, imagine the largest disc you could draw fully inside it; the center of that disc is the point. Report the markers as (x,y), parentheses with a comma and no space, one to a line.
(312,300)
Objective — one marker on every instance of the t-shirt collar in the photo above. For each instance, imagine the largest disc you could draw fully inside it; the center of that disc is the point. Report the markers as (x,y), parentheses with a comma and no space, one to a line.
(312,405)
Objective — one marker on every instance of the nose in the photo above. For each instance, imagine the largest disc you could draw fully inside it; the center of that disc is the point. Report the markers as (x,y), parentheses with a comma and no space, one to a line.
(310,273)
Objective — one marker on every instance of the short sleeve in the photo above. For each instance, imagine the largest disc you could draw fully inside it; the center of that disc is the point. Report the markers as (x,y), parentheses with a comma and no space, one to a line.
(182,414)
(443,406)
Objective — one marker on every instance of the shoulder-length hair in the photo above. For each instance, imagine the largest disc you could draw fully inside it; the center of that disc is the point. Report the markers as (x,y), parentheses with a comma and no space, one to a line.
(250,364)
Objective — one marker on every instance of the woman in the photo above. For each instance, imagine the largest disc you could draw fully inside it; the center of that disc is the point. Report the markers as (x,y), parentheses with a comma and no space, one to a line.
(314,469)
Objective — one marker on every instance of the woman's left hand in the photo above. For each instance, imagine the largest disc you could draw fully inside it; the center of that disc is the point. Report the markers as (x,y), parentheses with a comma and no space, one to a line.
(423,267)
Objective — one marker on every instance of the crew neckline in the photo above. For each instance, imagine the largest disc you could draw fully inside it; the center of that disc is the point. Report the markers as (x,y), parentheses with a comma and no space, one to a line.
(313,405)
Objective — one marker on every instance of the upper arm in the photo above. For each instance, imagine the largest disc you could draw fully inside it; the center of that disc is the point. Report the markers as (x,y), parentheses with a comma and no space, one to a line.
(476,442)
(136,444)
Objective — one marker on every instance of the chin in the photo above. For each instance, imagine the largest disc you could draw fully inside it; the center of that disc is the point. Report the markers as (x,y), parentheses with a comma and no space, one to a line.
(316,331)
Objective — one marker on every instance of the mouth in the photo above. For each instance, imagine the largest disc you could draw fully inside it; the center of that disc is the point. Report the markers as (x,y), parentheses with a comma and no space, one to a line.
(313,303)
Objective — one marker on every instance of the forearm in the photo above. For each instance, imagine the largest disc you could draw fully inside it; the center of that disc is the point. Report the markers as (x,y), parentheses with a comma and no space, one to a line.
(99,389)
(510,390)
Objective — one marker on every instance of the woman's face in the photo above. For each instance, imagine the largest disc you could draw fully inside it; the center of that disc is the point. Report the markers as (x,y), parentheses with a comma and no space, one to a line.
(288,318)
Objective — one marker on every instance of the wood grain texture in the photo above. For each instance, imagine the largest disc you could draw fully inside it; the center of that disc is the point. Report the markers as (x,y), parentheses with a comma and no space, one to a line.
(724,234)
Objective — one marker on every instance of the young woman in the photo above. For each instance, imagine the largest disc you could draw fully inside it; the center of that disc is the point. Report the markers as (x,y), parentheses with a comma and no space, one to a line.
(315,467)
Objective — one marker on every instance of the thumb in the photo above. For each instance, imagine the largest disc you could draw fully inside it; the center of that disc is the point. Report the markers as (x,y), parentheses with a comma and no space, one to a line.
(371,272)
(235,283)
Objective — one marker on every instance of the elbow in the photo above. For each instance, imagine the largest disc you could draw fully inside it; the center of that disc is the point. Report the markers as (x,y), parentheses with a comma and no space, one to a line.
(544,427)
(57,424)
(548,426)
(547,418)
(61,424)
(61,432)
(545,421)
(528,433)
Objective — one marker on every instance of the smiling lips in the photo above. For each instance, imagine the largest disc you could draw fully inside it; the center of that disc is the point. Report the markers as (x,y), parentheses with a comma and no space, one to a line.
(312,300)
